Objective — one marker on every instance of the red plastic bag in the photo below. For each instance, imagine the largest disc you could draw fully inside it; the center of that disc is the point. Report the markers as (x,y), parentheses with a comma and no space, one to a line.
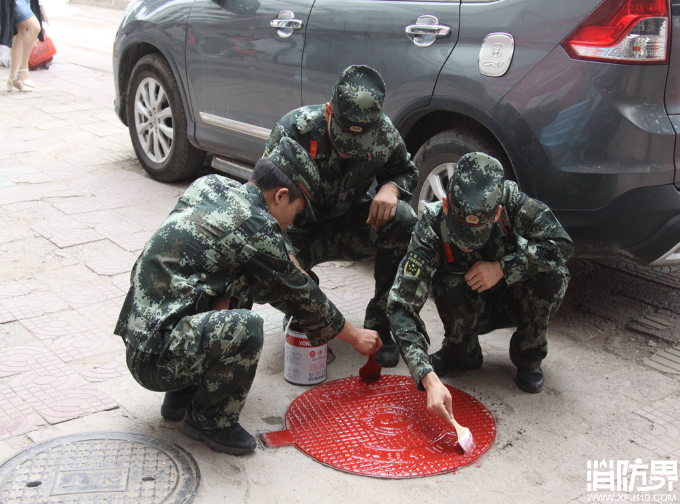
(42,53)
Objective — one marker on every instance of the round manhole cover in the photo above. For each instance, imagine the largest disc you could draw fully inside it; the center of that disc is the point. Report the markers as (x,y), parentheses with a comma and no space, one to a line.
(383,428)
(96,467)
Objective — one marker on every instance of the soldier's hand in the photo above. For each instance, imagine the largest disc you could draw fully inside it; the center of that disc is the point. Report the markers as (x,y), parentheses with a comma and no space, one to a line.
(384,206)
(438,397)
(364,341)
(484,275)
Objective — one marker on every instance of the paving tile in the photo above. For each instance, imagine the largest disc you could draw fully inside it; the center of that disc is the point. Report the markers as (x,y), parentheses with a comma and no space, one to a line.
(35,304)
(84,345)
(22,358)
(103,316)
(117,157)
(80,297)
(16,194)
(55,226)
(59,394)
(113,264)
(665,432)
(52,125)
(101,219)
(72,237)
(56,325)
(29,135)
(273,318)
(16,416)
(105,129)
(118,200)
(77,205)
(114,369)
(13,289)
(5,315)
(133,242)
(122,282)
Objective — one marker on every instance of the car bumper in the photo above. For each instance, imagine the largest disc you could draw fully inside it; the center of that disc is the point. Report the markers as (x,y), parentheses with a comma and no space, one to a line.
(641,226)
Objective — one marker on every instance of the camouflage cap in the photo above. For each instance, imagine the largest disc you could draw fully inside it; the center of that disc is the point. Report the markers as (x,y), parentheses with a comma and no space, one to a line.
(474,195)
(358,99)
(293,160)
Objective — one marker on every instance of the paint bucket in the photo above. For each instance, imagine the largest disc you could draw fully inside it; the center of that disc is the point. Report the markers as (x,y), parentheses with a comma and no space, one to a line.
(305,364)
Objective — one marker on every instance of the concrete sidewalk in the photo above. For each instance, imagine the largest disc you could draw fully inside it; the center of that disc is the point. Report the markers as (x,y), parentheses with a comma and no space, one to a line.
(75,211)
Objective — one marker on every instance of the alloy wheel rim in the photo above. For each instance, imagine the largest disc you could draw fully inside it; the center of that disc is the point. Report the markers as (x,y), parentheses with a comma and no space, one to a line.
(153,120)
(434,186)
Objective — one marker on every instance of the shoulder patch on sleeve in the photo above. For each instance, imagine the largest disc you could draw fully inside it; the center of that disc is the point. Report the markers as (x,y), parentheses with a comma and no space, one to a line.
(414,264)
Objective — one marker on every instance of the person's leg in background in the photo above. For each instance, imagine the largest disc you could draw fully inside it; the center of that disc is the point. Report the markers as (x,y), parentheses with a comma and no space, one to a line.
(28,28)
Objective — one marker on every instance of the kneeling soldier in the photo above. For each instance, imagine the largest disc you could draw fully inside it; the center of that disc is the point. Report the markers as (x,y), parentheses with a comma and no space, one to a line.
(495,258)
(186,320)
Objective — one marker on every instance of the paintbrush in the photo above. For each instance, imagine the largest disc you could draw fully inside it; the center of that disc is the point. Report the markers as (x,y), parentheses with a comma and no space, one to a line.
(465,439)
(371,370)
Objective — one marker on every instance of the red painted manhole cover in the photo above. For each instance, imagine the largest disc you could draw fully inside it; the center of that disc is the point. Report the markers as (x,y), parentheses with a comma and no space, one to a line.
(382,428)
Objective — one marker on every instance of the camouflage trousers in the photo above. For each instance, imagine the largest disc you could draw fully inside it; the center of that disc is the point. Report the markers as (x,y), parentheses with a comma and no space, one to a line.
(527,305)
(222,366)
(349,238)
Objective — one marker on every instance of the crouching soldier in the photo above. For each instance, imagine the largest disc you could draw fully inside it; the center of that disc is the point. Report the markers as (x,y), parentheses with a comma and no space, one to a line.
(494,258)
(186,320)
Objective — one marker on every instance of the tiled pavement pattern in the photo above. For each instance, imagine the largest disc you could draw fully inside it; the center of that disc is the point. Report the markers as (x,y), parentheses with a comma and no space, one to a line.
(667,360)
(666,275)
(68,162)
(664,436)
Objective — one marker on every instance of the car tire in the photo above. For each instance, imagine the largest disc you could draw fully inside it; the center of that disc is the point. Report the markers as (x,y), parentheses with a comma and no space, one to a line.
(438,156)
(157,122)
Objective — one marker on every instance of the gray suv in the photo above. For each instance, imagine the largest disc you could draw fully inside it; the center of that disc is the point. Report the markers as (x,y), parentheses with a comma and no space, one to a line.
(579,100)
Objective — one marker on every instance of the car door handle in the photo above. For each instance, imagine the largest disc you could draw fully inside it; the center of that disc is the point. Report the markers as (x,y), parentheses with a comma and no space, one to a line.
(293,24)
(439,31)
(285,24)
(426,31)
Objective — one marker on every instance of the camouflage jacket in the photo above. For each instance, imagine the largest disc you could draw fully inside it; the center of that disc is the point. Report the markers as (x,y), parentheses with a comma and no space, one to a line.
(345,183)
(526,240)
(218,242)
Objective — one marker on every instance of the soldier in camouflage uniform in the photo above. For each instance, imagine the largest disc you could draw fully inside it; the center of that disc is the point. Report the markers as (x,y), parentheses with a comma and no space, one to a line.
(495,258)
(355,144)
(186,319)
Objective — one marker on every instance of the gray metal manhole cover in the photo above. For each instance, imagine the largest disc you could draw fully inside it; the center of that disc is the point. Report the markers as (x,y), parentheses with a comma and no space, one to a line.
(100,467)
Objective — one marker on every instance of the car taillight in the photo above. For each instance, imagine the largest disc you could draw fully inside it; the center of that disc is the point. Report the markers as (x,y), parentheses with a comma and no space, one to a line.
(622,31)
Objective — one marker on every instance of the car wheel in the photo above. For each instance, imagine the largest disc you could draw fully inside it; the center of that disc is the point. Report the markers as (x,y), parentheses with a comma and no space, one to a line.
(157,122)
(437,158)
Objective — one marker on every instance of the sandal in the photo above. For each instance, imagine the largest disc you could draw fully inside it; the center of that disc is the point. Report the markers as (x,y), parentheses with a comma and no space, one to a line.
(26,82)
(18,84)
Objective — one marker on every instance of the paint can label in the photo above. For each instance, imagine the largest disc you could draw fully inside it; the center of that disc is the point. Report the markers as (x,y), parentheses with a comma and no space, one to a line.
(304,364)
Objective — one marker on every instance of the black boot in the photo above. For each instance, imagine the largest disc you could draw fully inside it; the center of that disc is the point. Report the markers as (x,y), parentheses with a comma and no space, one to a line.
(530,379)
(175,403)
(388,355)
(234,440)
(444,364)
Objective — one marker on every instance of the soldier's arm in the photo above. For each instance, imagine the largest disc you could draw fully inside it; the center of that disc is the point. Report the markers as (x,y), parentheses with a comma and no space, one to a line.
(399,169)
(542,244)
(408,295)
(265,257)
